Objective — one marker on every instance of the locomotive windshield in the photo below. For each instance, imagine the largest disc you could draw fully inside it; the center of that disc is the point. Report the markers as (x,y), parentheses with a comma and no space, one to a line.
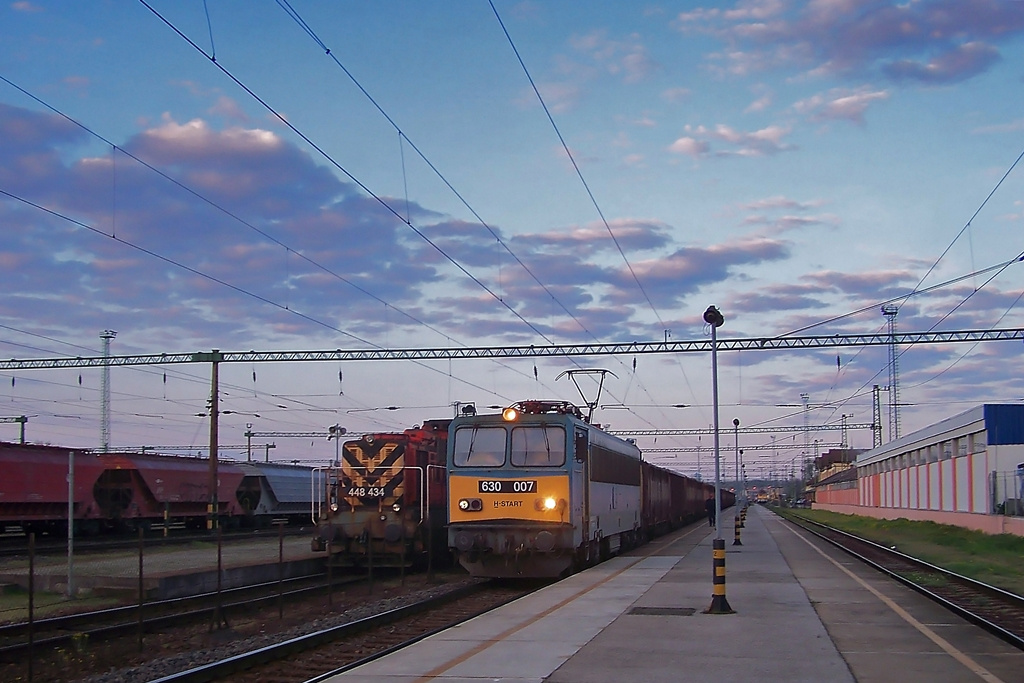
(532,446)
(480,447)
(538,446)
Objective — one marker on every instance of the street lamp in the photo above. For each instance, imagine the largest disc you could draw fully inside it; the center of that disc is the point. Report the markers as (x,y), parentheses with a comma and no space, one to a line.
(335,432)
(736,435)
(719,604)
(715,319)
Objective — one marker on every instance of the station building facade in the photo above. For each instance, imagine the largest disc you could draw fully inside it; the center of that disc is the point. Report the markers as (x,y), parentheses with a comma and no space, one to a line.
(967,470)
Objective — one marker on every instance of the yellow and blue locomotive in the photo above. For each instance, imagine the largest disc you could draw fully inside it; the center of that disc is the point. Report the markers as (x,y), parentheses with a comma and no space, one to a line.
(384,502)
(538,492)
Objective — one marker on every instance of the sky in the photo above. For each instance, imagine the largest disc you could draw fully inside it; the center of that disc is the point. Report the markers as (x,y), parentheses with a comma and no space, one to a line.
(309,175)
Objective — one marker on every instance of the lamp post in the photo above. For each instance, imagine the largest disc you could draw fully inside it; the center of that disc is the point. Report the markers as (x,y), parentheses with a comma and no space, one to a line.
(248,441)
(714,318)
(736,437)
(335,432)
(719,604)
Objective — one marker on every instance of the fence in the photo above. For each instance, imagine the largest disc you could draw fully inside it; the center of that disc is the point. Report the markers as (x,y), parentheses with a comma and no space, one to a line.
(1008,492)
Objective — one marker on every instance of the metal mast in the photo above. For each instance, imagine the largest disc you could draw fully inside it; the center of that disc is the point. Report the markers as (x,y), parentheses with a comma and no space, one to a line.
(805,399)
(106,336)
(876,416)
(890,311)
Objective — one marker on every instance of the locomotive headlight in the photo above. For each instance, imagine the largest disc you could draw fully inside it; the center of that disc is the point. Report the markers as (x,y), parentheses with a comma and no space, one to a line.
(545,504)
(549,504)
(464,504)
(334,507)
(510,414)
(397,507)
(471,504)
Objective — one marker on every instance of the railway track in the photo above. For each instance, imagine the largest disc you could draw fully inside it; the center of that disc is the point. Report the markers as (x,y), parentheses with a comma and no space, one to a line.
(993,609)
(117,622)
(16,545)
(331,651)
(106,646)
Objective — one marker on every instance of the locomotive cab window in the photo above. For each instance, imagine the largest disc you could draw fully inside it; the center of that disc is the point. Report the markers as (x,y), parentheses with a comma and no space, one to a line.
(479,447)
(542,446)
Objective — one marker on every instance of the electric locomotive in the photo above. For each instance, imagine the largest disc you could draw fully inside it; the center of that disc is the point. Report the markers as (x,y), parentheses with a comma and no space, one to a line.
(538,492)
(384,502)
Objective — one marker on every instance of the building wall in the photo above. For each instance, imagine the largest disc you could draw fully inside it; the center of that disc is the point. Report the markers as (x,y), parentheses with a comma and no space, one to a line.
(953,485)
(834,495)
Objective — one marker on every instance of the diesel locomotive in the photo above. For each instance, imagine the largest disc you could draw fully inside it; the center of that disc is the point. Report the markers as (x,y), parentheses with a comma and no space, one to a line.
(539,492)
(384,502)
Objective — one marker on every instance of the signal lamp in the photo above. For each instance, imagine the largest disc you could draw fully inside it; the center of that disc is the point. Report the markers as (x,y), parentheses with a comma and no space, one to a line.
(510,414)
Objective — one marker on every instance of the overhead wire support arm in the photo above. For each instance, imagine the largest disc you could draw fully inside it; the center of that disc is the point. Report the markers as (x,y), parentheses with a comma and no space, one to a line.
(531,351)
(743,430)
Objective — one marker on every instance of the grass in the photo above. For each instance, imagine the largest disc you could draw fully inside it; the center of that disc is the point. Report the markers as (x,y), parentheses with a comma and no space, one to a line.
(992,559)
(14,604)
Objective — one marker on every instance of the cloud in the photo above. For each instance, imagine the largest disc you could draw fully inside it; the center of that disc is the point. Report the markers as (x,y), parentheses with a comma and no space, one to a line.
(942,41)
(777,298)
(24,6)
(957,64)
(872,286)
(690,147)
(1010,127)
(593,54)
(698,141)
(559,97)
(229,109)
(840,104)
(631,234)
(780,202)
(676,94)
(669,279)
(627,59)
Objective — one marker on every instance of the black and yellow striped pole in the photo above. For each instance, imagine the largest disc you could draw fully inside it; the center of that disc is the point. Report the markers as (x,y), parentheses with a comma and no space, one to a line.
(719,605)
(736,526)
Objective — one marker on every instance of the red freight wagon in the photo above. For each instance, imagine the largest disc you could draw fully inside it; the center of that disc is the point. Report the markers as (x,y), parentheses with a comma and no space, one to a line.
(34,489)
(145,489)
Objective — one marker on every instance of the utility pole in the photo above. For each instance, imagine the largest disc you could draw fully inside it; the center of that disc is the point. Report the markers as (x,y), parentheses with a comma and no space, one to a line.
(214,358)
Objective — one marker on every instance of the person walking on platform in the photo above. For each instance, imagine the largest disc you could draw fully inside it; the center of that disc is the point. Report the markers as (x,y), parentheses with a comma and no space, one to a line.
(709,507)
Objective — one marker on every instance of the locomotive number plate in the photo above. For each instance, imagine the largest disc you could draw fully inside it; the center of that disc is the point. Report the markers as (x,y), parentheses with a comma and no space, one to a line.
(366,492)
(507,485)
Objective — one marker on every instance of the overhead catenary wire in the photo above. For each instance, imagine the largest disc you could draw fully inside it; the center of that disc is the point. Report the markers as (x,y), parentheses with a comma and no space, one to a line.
(228,285)
(308,29)
(342,169)
(237,218)
(586,186)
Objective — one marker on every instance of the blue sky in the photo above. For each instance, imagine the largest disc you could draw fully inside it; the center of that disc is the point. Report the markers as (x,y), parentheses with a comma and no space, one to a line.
(789,162)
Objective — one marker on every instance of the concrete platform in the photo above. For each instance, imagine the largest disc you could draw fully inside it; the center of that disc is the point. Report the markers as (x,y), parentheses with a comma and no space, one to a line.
(804,612)
(172,571)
